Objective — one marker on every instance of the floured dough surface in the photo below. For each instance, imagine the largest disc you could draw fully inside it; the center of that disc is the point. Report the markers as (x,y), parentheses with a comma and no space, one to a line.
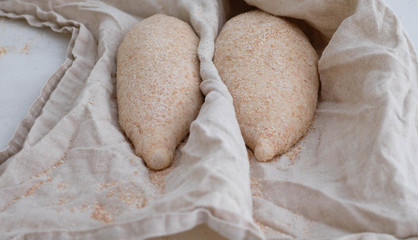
(270,69)
(158,87)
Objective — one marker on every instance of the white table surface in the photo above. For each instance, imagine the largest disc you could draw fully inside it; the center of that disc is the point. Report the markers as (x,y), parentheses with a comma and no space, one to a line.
(29,56)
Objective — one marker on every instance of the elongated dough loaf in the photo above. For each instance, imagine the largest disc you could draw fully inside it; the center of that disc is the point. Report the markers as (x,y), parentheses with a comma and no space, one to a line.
(158,87)
(270,69)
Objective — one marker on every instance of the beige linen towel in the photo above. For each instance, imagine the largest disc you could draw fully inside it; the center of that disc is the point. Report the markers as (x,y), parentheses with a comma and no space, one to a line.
(70,173)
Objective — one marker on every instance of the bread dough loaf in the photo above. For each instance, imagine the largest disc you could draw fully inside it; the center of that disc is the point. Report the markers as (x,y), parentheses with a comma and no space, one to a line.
(158,91)
(270,69)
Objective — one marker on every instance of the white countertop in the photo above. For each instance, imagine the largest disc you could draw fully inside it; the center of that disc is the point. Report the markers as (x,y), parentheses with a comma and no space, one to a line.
(29,56)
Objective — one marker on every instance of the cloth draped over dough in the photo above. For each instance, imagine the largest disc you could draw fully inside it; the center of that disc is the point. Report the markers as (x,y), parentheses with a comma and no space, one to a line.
(69,172)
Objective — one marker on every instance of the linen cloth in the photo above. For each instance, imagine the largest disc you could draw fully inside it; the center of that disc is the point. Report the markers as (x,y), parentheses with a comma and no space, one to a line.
(70,173)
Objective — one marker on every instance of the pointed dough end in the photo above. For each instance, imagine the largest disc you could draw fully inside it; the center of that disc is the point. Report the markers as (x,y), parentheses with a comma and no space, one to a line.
(157,159)
(263,152)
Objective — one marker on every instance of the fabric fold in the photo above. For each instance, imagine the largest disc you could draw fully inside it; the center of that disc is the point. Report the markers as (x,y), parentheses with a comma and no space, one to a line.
(360,153)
